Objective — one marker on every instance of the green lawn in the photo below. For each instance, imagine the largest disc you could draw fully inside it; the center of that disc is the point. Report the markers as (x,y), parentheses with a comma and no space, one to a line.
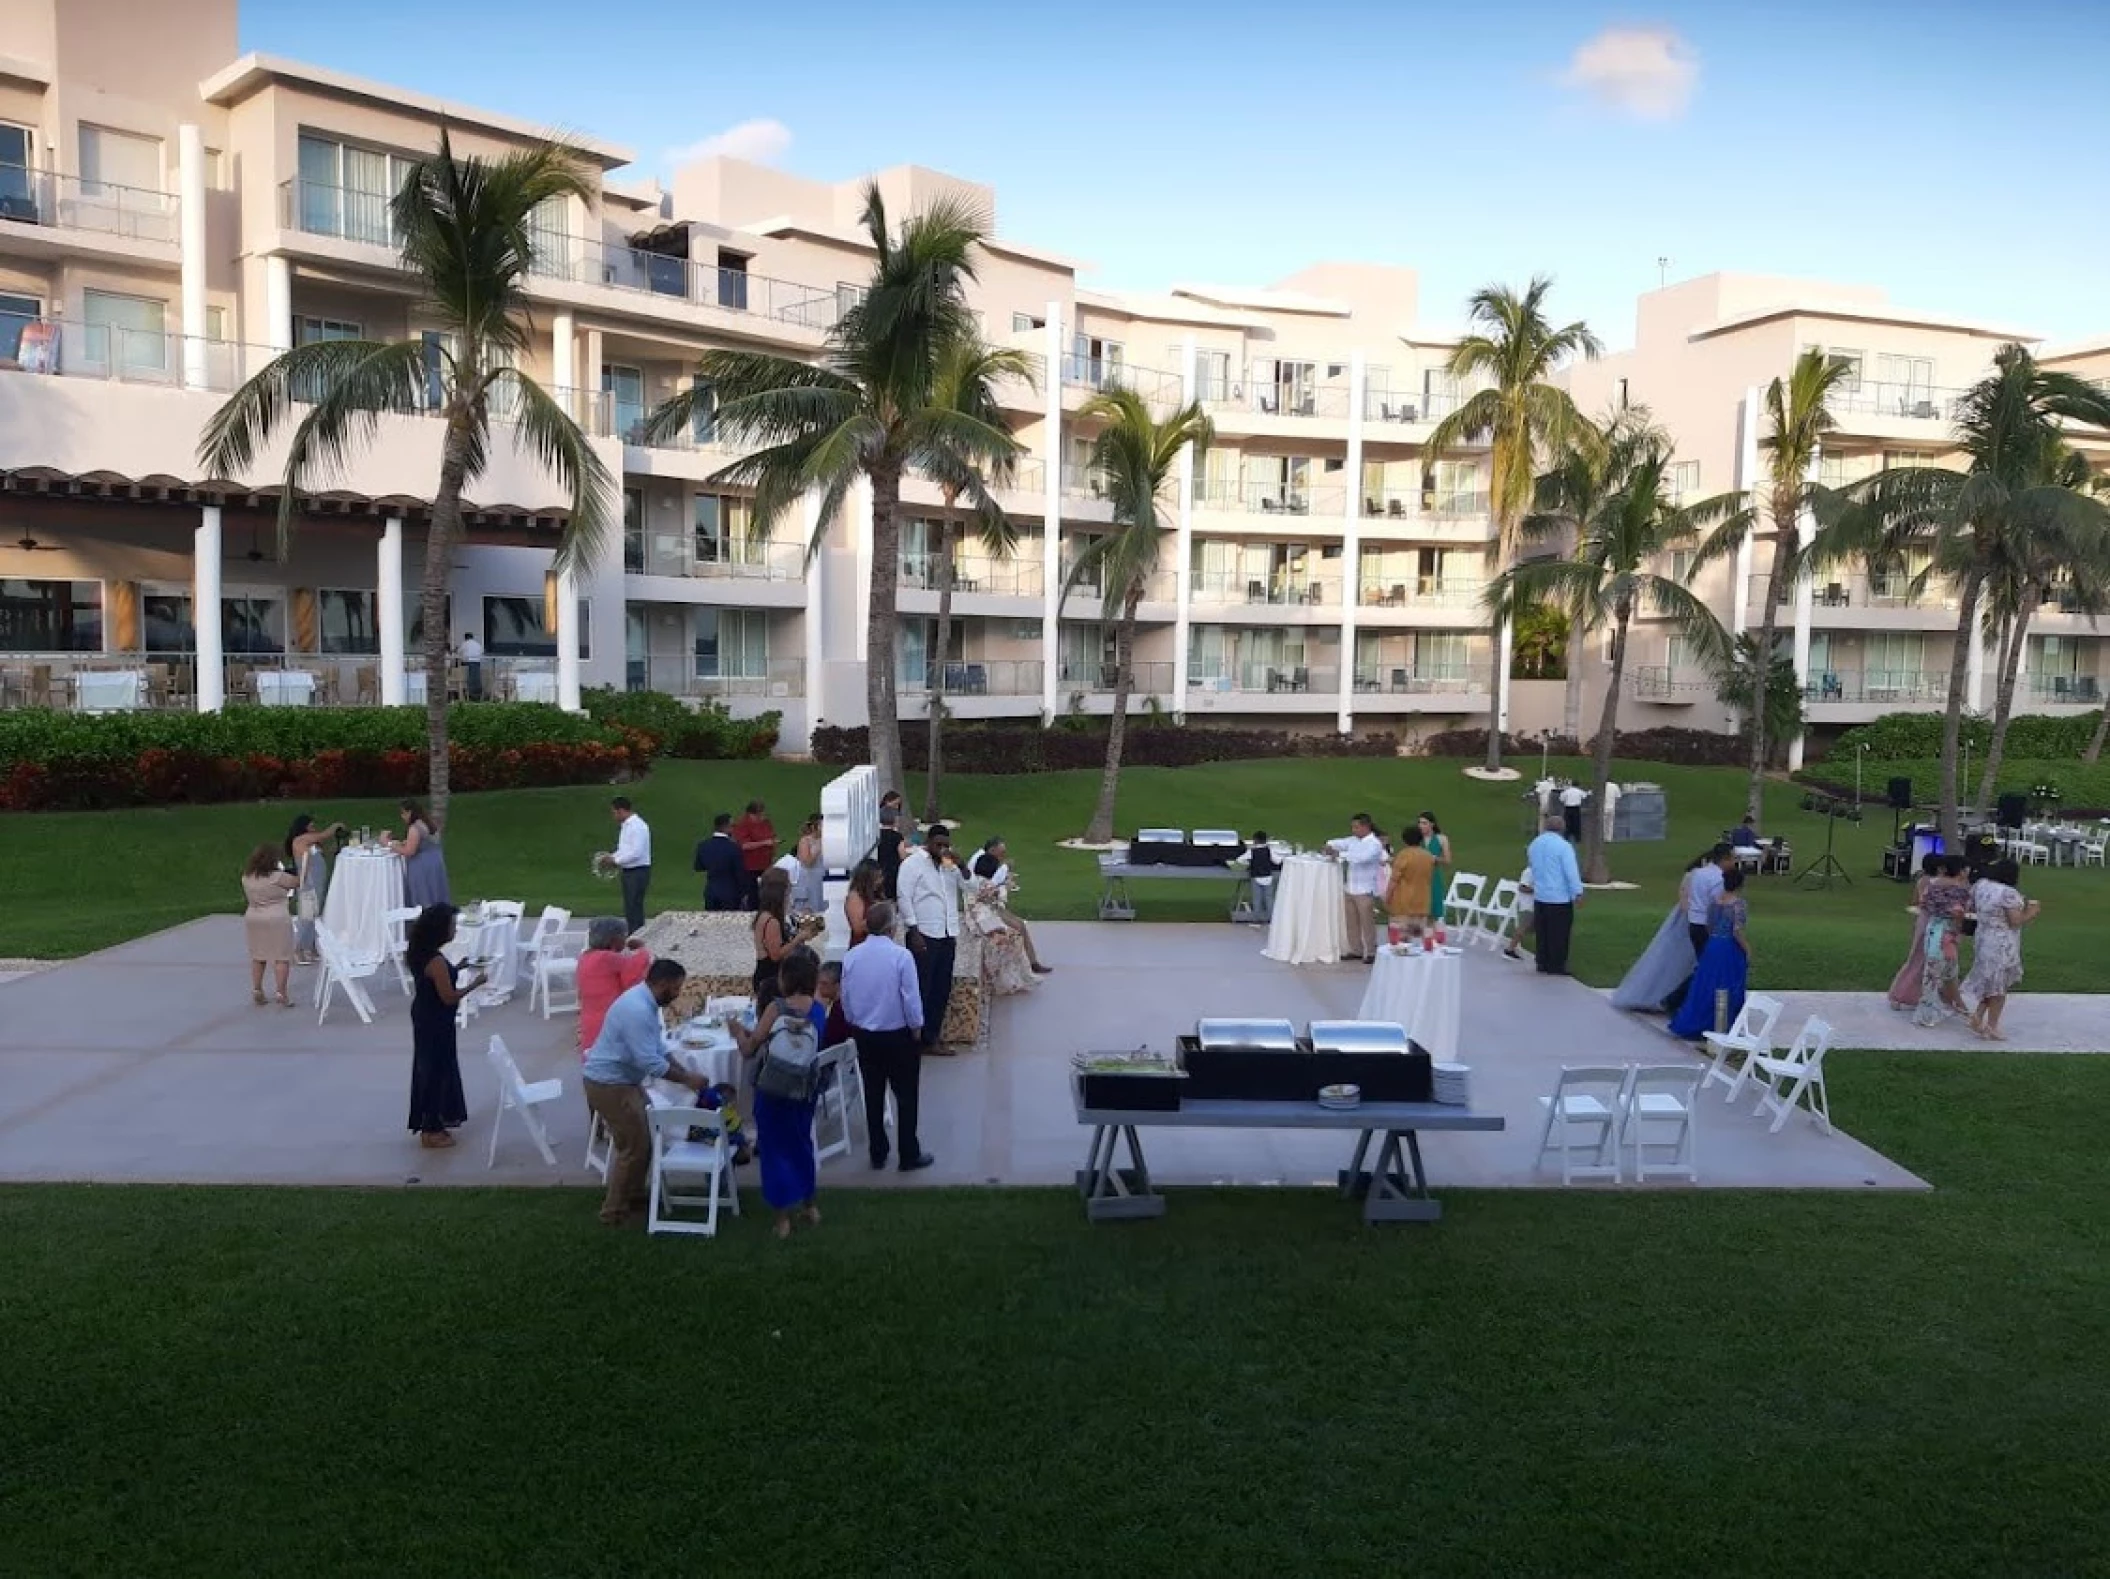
(410,1382)
(79,881)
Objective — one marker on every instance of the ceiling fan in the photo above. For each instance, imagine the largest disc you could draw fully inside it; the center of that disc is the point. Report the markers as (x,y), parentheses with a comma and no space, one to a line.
(30,545)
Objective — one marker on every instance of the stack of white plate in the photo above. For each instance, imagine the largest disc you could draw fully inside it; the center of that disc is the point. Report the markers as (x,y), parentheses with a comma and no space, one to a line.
(1340,1098)
(1450,1083)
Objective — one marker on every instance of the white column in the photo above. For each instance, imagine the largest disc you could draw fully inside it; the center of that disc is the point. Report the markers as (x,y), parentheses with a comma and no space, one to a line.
(813,628)
(278,303)
(190,219)
(568,641)
(564,365)
(1805,604)
(205,610)
(1183,567)
(1051,508)
(388,610)
(1352,540)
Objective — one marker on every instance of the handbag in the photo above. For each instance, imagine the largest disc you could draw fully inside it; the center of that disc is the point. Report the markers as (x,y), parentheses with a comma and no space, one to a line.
(789,1068)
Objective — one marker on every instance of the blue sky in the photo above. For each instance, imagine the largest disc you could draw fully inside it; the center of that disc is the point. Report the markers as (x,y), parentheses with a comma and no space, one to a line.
(1940,150)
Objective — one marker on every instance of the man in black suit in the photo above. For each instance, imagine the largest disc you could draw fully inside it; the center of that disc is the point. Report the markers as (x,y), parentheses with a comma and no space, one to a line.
(718,858)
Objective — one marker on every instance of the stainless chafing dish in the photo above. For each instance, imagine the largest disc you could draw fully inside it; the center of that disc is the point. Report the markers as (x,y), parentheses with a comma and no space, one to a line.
(1160,836)
(1252,1036)
(1218,839)
(1357,1036)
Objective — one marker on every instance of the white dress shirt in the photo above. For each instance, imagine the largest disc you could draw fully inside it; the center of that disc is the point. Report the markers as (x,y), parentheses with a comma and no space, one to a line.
(879,987)
(472,650)
(633,842)
(1574,795)
(1364,856)
(1705,889)
(930,897)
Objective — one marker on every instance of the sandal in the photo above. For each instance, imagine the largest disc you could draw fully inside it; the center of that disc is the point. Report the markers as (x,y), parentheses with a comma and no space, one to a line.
(435,1140)
(256,996)
(812,1216)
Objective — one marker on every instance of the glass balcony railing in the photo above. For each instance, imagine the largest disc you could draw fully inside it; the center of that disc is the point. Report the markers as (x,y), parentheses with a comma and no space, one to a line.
(1409,679)
(1285,675)
(66,202)
(1405,406)
(1877,685)
(974,676)
(1272,497)
(1427,591)
(736,558)
(720,676)
(1021,577)
(1892,591)
(1274,397)
(1657,682)
(1274,590)
(2082,689)
(1913,402)
(1098,677)
(1100,373)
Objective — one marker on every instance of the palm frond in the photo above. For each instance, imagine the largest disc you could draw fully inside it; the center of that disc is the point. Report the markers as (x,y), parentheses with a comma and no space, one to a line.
(546,431)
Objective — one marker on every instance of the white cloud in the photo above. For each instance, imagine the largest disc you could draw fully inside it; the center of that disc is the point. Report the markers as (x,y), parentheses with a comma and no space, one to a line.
(1647,73)
(757,141)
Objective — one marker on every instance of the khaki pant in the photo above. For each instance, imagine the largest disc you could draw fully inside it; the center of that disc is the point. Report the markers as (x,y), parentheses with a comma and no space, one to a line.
(1361,935)
(622,1109)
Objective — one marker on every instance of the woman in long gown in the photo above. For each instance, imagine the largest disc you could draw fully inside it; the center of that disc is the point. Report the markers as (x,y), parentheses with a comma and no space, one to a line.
(1725,964)
(1996,961)
(1438,844)
(993,868)
(809,889)
(1667,960)
(1006,962)
(1905,985)
(437,1104)
(1947,900)
(424,864)
(783,1128)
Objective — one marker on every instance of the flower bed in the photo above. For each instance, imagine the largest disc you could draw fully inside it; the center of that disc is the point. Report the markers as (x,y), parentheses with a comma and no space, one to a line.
(1029,748)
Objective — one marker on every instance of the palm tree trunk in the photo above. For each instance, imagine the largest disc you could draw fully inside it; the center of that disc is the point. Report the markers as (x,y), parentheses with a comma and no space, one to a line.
(1497,659)
(2004,697)
(440,538)
(2095,743)
(1596,868)
(936,752)
(1762,675)
(1101,829)
(1571,699)
(1952,713)
(882,695)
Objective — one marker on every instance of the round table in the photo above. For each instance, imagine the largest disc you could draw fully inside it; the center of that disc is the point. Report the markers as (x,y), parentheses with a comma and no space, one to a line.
(1420,993)
(1310,912)
(364,886)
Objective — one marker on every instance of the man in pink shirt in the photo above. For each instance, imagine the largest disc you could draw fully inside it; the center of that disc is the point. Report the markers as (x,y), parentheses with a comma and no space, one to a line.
(612,964)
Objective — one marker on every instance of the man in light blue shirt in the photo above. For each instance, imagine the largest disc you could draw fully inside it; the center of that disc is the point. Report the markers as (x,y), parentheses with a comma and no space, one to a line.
(883,1001)
(1556,888)
(626,1054)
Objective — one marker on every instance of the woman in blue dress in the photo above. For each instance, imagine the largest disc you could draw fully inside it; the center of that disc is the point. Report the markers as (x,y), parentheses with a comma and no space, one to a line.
(784,1128)
(424,865)
(1725,964)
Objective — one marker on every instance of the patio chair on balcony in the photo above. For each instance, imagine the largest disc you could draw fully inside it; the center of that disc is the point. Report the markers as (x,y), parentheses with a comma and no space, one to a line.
(241,682)
(2085,688)
(368,680)
(1399,680)
(1835,596)
(1256,592)
(1396,508)
(1372,505)
(1300,679)
(1274,680)
(1268,504)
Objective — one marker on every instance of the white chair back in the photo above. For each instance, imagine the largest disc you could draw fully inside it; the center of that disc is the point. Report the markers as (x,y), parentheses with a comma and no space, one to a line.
(1796,1077)
(833,1116)
(1750,1036)
(675,1157)
(340,974)
(1498,914)
(1662,1097)
(516,1095)
(1582,1120)
(398,924)
(556,972)
(1461,901)
(504,909)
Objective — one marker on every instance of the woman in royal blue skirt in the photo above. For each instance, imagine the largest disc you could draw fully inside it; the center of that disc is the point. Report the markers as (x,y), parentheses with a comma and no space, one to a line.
(1725,964)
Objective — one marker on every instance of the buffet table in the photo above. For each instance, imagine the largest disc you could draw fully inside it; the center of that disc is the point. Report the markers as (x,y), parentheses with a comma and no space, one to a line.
(109,690)
(364,886)
(1115,875)
(285,687)
(1421,993)
(1310,912)
(1394,1189)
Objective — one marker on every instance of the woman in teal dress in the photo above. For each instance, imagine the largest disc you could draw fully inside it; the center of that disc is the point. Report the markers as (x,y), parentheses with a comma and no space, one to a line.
(1438,844)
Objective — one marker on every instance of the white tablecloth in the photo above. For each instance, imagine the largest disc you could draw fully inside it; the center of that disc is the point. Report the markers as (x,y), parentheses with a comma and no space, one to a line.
(1309,912)
(532,685)
(718,1057)
(414,688)
(108,690)
(364,886)
(285,687)
(1422,993)
(496,941)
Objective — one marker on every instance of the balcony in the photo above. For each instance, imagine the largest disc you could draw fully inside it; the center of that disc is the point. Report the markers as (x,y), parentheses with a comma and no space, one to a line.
(718,678)
(1427,591)
(1001,578)
(1881,686)
(974,677)
(1421,680)
(98,208)
(1101,373)
(1277,398)
(1151,678)
(1406,406)
(1083,482)
(1277,591)
(1158,587)
(735,558)
(1325,501)
(1911,402)
(1669,683)
(2062,690)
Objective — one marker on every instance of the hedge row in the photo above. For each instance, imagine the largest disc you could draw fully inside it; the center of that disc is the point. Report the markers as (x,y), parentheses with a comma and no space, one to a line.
(1692,748)
(1010,748)
(707,733)
(1902,737)
(2083,788)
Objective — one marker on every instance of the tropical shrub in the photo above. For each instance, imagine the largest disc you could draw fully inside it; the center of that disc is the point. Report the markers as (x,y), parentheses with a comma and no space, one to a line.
(1010,747)
(707,733)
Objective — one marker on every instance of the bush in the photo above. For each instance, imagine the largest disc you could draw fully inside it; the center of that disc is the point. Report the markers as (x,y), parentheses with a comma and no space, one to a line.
(88,762)
(707,733)
(2083,788)
(1011,748)
(1900,737)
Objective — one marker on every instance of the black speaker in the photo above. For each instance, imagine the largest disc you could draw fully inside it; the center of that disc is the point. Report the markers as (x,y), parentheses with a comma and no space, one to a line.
(2013,811)
(1901,793)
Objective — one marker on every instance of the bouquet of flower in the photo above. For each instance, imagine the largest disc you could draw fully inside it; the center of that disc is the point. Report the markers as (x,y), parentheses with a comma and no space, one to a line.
(603,866)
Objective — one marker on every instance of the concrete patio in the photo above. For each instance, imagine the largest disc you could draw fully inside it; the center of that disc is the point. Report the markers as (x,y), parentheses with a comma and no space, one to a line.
(147,1063)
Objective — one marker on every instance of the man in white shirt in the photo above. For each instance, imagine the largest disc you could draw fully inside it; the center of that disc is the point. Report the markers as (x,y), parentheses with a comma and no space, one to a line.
(1700,895)
(473,665)
(633,861)
(1363,853)
(930,905)
(882,1002)
(1572,799)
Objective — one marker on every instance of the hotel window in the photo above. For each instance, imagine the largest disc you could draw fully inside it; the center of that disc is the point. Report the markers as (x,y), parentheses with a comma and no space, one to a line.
(18,193)
(703,418)
(1212,375)
(1914,375)
(549,238)
(733,644)
(347,622)
(1439,656)
(1681,565)
(345,191)
(216,325)
(129,333)
(16,314)
(124,160)
(625,389)
(1684,482)
(1021,322)
(516,628)
(253,624)
(633,529)
(721,530)
(314,329)
(51,616)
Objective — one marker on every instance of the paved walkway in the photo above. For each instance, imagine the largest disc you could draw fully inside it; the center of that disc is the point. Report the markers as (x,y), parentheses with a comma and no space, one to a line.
(2035,1022)
(148,1063)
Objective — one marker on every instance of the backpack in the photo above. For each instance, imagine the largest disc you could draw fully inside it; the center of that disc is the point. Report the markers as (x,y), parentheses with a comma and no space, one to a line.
(789,1068)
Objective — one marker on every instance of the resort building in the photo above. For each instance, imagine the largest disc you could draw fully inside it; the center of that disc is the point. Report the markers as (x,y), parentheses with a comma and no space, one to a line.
(172,215)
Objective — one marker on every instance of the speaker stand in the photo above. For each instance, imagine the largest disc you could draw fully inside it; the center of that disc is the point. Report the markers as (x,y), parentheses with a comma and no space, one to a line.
(1826,867)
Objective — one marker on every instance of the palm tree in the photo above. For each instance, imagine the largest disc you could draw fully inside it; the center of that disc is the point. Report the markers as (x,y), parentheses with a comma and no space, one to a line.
(1971,522)
(1138,456)
(463,228)
(1609,581)
(1587,472)
(968,373)
(1798,416)
(1521,416)
(868,409)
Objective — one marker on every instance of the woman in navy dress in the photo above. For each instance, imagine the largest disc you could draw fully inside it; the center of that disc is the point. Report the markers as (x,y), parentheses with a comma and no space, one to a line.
(437,1104)
(1725,964)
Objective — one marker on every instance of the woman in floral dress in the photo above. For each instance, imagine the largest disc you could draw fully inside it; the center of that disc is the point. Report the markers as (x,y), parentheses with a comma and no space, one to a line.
(1945,903)
(1996,963)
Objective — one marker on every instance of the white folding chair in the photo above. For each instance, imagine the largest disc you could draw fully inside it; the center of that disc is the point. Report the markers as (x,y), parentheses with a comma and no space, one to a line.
(1582,1119)
(676,1157)
(554,918)
(2091,852)
(600,1147)
(1461,901)
(1665,1096)
(836,1116)
(1795,1075)
(1493,920)
(398,923)
(517,1095)
(555,973)
(340,974)
(1751,1035)
(513,910)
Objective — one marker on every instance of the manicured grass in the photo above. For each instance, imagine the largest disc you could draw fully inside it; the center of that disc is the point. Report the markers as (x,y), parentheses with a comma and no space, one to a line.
(410,1382)
(80,881)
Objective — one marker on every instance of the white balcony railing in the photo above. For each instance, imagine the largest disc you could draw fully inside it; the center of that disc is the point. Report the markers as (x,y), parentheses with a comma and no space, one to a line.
(718,676)
(65,202)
